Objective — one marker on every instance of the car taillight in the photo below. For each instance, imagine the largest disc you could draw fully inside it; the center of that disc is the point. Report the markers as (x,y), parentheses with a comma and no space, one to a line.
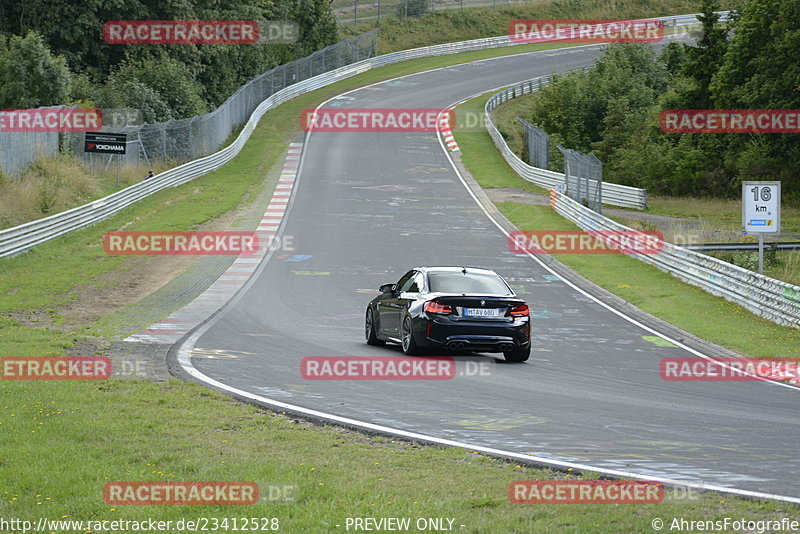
(437,307)
(520,311)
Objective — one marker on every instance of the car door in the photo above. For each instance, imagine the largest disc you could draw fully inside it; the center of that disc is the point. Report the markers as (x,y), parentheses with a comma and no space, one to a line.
(409,293)
(389,308)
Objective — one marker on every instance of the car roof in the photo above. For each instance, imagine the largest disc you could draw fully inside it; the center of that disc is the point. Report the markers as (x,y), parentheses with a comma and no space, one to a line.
(453,269)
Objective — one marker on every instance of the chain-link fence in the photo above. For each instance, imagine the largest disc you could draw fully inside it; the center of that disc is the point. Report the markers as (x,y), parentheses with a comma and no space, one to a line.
(19,149)
(187,139)
(537,145)
(360,11)
(584,178)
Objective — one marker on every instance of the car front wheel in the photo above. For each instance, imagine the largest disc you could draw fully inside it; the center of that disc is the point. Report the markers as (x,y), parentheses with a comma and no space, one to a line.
(369,330)
(409,345)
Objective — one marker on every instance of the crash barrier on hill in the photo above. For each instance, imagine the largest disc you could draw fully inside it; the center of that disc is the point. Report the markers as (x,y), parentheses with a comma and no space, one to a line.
(772,299)
(25,236)
(613,194)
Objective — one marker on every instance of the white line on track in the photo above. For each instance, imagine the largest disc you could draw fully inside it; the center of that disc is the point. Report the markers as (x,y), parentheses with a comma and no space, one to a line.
(183,350)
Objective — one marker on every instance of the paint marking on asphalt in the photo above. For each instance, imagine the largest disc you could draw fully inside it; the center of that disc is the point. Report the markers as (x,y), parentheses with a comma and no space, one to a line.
(184,360)
(446,130)
(178,324)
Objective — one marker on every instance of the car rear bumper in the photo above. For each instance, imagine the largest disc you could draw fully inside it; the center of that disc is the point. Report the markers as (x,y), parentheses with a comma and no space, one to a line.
(481,336)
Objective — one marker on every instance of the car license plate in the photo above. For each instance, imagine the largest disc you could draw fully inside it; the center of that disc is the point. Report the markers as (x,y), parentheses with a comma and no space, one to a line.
(481,312)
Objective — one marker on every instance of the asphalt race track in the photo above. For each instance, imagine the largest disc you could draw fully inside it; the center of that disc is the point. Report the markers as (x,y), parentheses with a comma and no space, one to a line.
(369,206)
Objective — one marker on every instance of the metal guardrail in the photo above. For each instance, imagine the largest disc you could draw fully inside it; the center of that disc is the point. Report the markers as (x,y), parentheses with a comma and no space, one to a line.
(25,236)
(772,299)
(744,247)
(613,194)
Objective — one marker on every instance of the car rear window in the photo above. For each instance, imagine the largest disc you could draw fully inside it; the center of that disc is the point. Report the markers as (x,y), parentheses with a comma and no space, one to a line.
(456,282)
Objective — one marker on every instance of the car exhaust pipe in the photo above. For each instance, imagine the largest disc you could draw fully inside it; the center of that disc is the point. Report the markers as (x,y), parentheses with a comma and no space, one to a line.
(507,347)
(455,345)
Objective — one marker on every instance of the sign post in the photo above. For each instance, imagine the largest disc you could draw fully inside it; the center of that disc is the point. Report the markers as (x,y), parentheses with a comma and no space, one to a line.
(761,212)
(106,143)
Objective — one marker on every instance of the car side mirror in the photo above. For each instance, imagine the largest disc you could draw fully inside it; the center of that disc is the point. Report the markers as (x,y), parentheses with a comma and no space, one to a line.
(388,288)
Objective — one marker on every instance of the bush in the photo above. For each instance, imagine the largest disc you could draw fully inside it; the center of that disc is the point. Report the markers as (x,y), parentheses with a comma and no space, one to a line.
(30,75)
(161,87)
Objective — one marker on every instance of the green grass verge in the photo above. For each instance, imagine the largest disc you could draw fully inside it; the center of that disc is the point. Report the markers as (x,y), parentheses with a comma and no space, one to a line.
(654,291)
(724,214)
(449,25)
(708,220)
(46,277)
(713,213)
(62,441)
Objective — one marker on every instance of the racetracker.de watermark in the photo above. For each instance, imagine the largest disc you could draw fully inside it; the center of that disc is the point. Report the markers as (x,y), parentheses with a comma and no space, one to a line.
(278,31)
(55,368)
(180,243)
(180,493)
(51,120)
(585,31)
(730,121)
(377,368)
(585,492)
(585,242)
(729,369)
(122,117)
(372,120)
(181,32)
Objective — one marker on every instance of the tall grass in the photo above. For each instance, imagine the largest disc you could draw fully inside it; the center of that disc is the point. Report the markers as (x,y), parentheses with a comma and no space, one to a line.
(458,25)
(788,267)
(54,184)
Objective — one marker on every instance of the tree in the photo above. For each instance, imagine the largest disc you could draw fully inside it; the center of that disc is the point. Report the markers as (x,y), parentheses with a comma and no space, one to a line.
(704,60)
(761,70)
(167,82)
(121,92)
(317,25)
(73,29)
(674,57)
(30,75)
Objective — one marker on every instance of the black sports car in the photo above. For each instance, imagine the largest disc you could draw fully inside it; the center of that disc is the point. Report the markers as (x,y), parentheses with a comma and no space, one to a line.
(458,308)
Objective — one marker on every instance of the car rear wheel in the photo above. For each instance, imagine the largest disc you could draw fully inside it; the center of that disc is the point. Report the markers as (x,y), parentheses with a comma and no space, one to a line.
(369,330)
(407,337)
(520,354)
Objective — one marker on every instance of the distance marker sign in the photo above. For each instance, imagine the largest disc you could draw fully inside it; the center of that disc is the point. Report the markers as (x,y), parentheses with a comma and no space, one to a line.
(761,207)
(105,143)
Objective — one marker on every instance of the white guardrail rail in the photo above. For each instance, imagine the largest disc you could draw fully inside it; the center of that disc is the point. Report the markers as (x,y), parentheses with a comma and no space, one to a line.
(767,297)
(772,299)
(613,194)
(23,237)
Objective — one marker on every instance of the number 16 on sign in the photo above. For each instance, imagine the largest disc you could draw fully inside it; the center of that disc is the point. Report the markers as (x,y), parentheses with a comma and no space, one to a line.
(761,212)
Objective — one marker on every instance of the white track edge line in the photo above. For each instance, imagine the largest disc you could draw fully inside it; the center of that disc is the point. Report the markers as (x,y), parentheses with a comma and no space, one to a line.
(583,292)
(186,346)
